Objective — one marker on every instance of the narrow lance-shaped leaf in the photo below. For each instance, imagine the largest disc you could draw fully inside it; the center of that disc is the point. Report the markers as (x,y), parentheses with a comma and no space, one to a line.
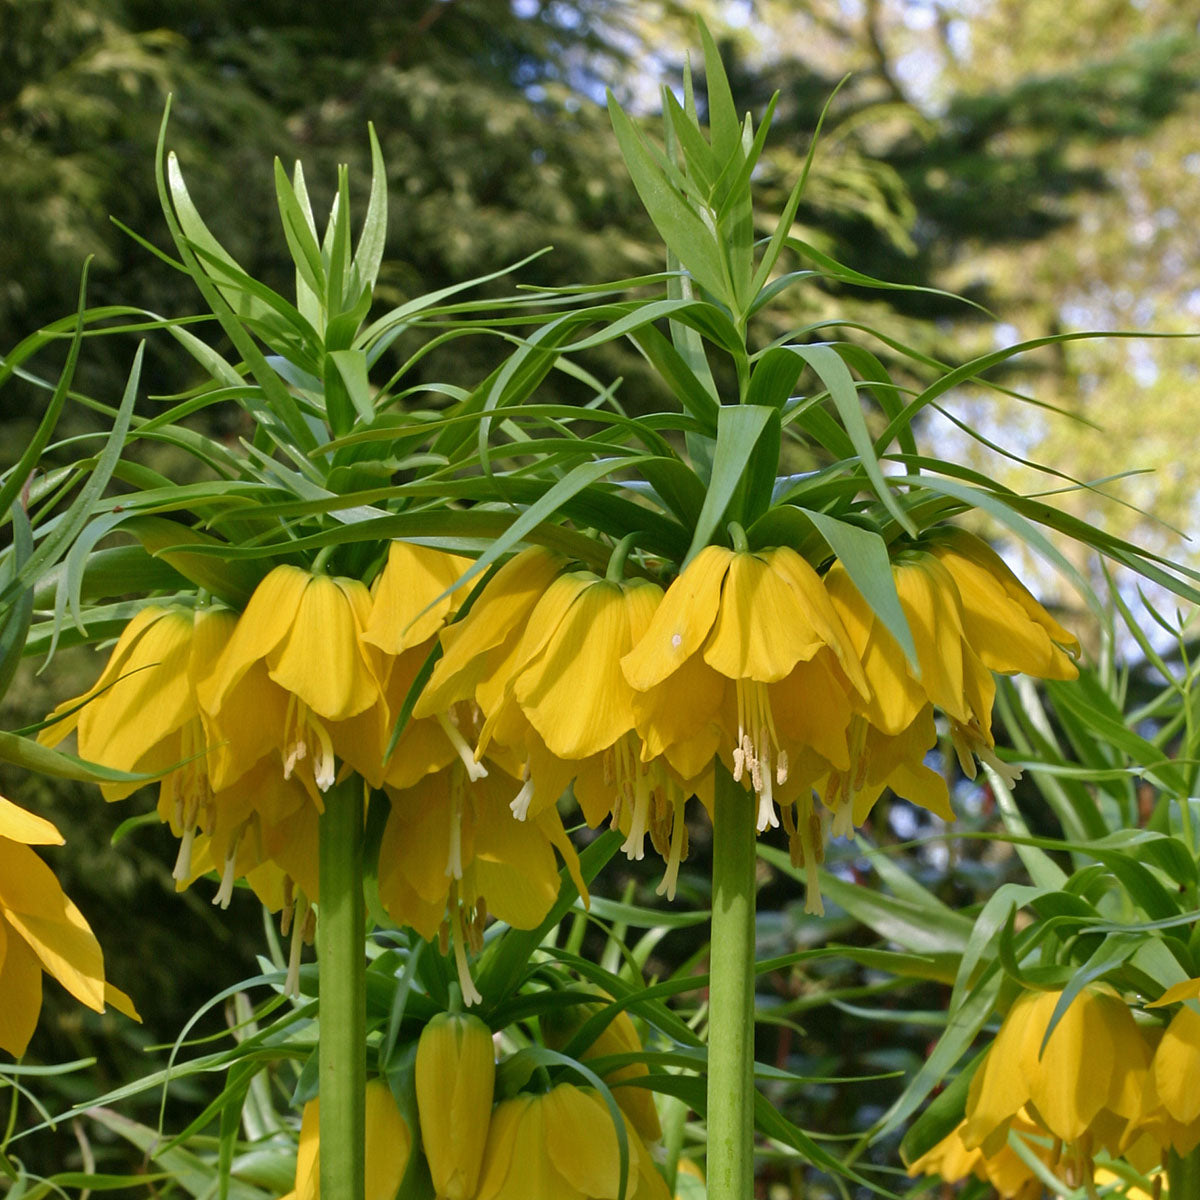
(683,231)
(739,428)
(864,555)
(835,375)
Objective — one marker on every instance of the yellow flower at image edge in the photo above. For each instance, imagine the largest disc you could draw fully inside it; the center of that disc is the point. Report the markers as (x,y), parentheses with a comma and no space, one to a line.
(41,930)
(1083,1086)
(388,1144)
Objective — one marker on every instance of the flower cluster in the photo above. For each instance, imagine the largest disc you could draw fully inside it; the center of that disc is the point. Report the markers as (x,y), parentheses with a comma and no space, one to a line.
(555,677)
(1095,1082)
(752,659)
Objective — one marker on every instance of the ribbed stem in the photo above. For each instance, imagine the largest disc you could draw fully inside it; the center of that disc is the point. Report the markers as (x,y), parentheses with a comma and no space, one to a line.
(341,951)
(731,995)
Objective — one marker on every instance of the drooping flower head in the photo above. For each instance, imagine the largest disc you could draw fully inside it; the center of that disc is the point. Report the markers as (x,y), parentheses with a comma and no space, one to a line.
(1169,1114)
(619,1036)
(1004,1168)
(1082,1084)
(539,654)
(745,658)
(143,716)
(41,930)
(297,679)
(452,854)
(563,1146)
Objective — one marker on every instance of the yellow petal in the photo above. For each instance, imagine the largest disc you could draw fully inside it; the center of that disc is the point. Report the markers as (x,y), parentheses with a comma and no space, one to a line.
(515,1163)
(23,826)
(387,1143)
(681,622)
(1188,989)
(1177,1065)
(308,1156)
(573,692)
(931,605)
(683,707)
(115,998)
(589,1163)
(1000,1087)
(497,616)
(761,631)
(21,987)
(321,659)
(114,668)
(515,868)
(260,629)
(811,709)
(416,841)
(894,696)
(148,704)
(455,1079)
(247,725)
(403,609)
(1007,627)
(1069,1082)
(34,905)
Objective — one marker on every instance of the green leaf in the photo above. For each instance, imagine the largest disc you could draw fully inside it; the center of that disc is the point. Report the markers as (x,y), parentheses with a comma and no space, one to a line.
(231,579)
(31,455)
(835,375)
(684,232)
(32,756)
(301,238)
(368,257)
(723,121)
(864,555)
(68,526)
(739,428)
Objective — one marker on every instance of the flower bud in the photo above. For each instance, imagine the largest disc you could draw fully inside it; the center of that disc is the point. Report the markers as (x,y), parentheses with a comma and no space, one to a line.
(456,1073)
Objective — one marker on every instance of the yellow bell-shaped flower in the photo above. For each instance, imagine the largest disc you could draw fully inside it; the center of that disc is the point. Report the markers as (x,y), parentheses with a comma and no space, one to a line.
(41,930)
(455,1077)
(298,680)
(1082,1085)
(452,853)
(1170,1110)
(1004,1169)
(619,1036)
(1004,624)
(563,1146)
(475,650)
(745,657)
(388,1143)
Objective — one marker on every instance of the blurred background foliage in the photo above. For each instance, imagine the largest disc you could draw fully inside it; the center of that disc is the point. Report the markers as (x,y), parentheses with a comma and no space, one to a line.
(1040,161)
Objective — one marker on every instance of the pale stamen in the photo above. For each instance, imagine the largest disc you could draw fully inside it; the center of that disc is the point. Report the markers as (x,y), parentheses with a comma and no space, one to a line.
(757,740)
(476,770)
(470,993)
(678,843)
(519,804)
(305,735)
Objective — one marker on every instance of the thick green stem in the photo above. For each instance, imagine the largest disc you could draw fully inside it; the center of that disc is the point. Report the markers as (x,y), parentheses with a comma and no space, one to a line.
(731,996)
(341,933)
(1183,1175)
